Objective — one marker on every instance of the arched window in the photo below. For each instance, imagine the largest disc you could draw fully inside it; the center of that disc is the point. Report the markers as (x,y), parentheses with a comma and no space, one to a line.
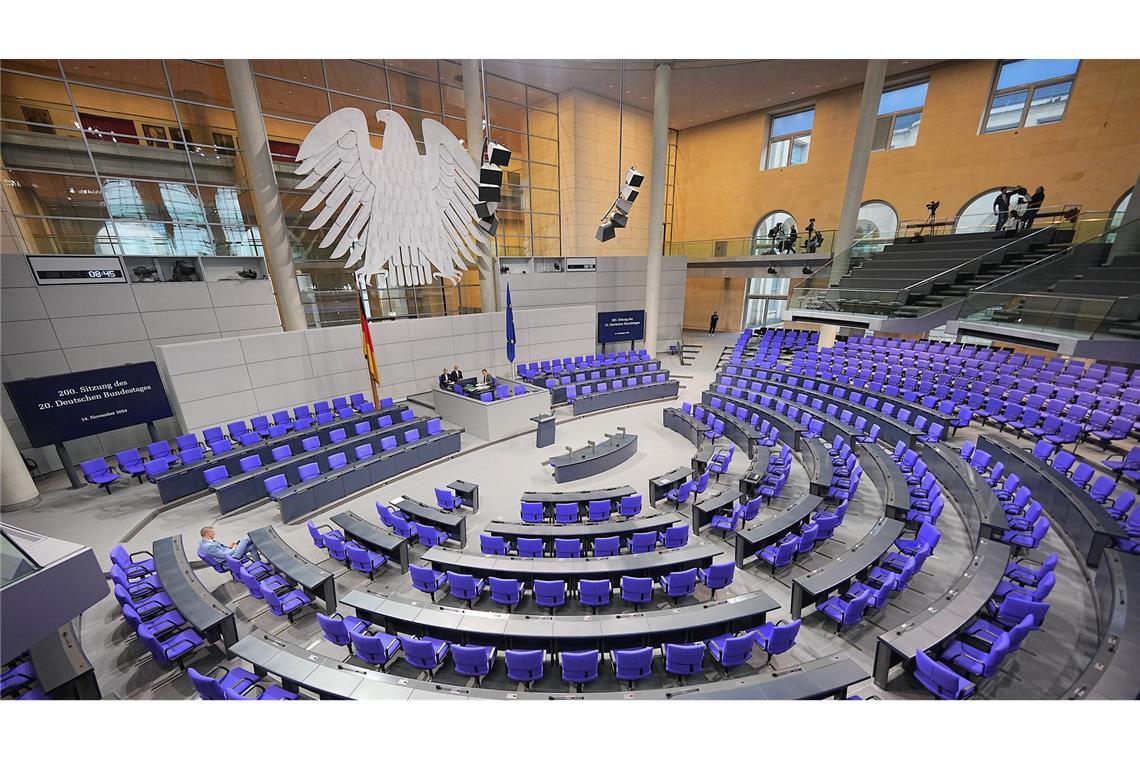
(766,238)
(978,215)
(877,220)
(1120,208)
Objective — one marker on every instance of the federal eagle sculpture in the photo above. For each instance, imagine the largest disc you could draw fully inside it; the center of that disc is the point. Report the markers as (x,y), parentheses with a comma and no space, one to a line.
(395,209)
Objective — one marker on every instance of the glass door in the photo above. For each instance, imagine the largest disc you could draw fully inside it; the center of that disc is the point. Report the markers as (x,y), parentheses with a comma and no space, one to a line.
(765,301)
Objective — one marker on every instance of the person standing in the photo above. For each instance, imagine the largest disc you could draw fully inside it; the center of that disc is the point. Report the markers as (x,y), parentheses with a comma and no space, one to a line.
(1031,208)
(809,237)
(1001,208)
(790,245)
(712,322)
(1017,205)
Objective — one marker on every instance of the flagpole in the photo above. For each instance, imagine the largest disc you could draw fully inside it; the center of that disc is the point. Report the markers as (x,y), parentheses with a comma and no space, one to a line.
(361,286)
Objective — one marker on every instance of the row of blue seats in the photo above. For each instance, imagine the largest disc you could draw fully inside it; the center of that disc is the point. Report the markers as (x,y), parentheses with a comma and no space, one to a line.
(526,666)
(18,680)
(627,370)
(570,512)
(606,546)
(552,594)
(573,392)
(589,361)
(1028,524)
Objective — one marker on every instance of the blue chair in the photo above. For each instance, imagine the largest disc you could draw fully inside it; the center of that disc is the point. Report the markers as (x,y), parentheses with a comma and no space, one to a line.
(580,668)
(424,653)
(98,473)
(275,485)
(363,560)
(679,584)
(533,512)
(506,591)
(530,547)
(160,450)
(551,594)
(675,536)
(131,567)
(607,546)
(640,543)
(630,506)
(684,660)
(565,512)
(497,545)
(430,536)
(286,603)
(727,523)
(940,680)
(471,660)
(730,650)
(594,593)
(780,554)
(844,611)
(632,665)
(215,475)
(680,494)
(465,587)
(446,499)
(427,580)
(776,638)
(337,548)
(637,591)
(337,629)
(318,535)
(982,663)
(569,548)
(237,680)
(525,665)
(717,576)
(130,462)
(598,510)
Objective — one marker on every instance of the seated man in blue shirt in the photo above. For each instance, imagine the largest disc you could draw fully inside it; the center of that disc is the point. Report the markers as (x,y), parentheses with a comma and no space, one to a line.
(220,551)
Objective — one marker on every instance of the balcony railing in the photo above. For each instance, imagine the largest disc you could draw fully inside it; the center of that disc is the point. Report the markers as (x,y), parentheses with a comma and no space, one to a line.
(749,246)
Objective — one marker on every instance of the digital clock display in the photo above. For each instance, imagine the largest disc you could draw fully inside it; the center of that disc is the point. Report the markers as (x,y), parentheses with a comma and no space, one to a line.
(79,274)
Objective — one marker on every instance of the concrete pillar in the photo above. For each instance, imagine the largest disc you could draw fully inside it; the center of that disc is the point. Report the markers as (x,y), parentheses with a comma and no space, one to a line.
(254,146)
(1128,239)
(473,106)
(17,489)
(857,173)
(657,170)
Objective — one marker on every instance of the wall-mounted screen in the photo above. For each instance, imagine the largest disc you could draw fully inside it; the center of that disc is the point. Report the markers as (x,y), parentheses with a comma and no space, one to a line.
(618,326)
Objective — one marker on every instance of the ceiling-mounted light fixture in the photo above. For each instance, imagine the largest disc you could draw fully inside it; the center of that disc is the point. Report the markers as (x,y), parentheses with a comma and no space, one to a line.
(617,215)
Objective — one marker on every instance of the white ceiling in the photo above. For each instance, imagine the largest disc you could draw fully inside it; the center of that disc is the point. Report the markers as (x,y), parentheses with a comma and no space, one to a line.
(701,90)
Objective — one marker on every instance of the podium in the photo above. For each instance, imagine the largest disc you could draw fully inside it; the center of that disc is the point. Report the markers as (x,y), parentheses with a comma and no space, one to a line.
(544,434)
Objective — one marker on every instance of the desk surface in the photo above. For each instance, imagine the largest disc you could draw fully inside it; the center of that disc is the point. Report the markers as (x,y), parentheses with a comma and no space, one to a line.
(856,559)
(697,553)
(587,530)
(611,444)
(288,562)
(671,478)
(965,485)
(181,584)
(810,680)
(781,522)
(581,497)
(896,492)
(366,532)
(430,515)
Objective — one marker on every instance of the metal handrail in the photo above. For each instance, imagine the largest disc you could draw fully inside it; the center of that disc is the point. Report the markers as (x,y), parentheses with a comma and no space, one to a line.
(991,252)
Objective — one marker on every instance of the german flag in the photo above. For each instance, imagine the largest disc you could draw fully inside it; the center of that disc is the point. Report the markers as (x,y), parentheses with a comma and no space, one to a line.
(369,351)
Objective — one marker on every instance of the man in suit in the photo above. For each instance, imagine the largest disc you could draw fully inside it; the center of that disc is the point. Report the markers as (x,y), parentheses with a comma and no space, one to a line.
(456,375)
(487,378)
(219,551)
(443,379)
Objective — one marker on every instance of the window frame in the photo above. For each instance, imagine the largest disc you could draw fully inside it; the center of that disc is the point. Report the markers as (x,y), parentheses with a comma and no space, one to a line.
(1030,88)
(790,137)
(892,116)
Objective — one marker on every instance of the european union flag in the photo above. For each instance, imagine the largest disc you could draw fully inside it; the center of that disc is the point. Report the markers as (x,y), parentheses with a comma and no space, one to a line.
(510,327)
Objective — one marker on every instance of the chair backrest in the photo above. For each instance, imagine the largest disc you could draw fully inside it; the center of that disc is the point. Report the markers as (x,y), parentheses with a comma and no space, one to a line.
(251,462)
(525,664)
(310,443)
(684,657)
(504,588)
(309,471)
(550,591)
(215,474)
(207,688)
(423,578)
(643,542)
(677,535)
(281,452)
(338,460)
(681,582)
(276,483)
(593,590)
(567,547)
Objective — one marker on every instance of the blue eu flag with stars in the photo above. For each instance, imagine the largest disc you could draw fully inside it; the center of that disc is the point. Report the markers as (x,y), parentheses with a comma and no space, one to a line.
(510,327)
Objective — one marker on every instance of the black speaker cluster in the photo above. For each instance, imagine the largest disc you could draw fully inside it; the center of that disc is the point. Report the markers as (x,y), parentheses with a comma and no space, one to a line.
(618,214)
(495,158)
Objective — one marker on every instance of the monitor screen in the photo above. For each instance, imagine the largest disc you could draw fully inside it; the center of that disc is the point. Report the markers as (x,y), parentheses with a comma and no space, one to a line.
(64,407)
(617,326)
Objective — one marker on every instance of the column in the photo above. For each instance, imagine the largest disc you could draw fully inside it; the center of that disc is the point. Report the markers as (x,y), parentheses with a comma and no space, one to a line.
(17,489)
(857,173)
(473,106)
(662,75)
(254,147)
(1128,239)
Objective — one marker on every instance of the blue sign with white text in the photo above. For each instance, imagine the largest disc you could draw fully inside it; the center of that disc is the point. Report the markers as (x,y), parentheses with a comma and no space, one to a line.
(618,326)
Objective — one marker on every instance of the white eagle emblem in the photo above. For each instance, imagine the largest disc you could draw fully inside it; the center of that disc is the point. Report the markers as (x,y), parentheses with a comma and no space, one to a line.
(411,214)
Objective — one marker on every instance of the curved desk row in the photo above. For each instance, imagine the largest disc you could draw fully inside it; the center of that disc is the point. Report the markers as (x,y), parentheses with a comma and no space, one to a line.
(890,428)
(750,481)
(184,480)
(299,669)
(209,617)
(751,540)
(563,633)
(840,572)
(831,426)
(585,531)
(1086,523)
(694,430)
(303,498)
(594,459)
(374,537)
(986,518)
(527,569)
(817,462)
(300,571)
(453,524)
(887,477)
(663,484)
(945,616)
(646,365)
(741,432)
(790,431)
(558,392)
(722,503)
(623,396)
(582,498)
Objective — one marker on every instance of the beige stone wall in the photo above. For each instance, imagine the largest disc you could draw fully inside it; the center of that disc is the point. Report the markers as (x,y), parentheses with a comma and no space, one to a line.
(588,155)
